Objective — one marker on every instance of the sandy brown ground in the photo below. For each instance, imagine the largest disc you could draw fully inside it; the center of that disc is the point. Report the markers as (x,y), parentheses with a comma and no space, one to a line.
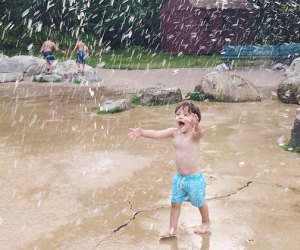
(185,79)
(266,80)
(73,180)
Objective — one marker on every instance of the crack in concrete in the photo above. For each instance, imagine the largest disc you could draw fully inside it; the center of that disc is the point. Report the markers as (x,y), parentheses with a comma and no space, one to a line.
(228,195)
(130,220)
(144,210)
(126,223)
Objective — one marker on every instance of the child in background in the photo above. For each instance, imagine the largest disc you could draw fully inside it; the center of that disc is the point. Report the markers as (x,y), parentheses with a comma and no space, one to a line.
(81,55)
(47,50)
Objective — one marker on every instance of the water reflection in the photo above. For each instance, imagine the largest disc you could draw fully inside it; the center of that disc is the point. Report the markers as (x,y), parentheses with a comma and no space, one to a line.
(177,243)
(171,242)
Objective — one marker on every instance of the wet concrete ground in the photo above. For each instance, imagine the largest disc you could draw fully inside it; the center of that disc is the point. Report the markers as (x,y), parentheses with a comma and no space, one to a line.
(71,179)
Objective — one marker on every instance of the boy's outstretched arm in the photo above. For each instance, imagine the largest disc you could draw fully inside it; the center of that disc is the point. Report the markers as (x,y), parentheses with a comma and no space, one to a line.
(153,134)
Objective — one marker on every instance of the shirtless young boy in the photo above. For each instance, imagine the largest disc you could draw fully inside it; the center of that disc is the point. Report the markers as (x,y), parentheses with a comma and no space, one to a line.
(188,184)
(81,55)
(47,50)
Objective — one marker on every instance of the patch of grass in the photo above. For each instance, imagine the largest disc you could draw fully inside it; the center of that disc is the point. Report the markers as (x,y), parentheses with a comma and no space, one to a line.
(289,147)
(58,80)
(39,80)
(196,96)
(135,99)
(135,58)
(113,111)
(76,81)
(139,58)
(200,96)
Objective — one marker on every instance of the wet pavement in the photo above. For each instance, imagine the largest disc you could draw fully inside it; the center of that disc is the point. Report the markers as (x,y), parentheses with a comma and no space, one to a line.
(71,179)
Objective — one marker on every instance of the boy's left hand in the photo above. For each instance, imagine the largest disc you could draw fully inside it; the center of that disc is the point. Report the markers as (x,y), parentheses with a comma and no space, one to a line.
(194,120)
(135,132)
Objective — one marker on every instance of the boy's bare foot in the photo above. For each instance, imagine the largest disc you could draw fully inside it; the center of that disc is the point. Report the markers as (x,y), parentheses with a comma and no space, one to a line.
(167,234)
(203,228)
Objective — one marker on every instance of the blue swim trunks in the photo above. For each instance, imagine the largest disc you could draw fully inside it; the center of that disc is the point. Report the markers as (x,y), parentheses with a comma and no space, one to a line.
(190,188)
(80,57)
(49,56)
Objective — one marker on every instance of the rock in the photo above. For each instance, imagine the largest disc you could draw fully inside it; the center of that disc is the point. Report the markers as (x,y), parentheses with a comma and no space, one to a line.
(288,91)
(280,66)
(2,56)
(294,69)
(28,65)
(6,67)
(11,77)
(226,87)
(222,67)
(114,106)
(295,134)
(158,95)
(84,79)
(48,78)
(69,68)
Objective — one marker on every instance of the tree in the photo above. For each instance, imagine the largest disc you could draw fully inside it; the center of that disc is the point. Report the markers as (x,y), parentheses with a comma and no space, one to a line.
(114,23)
(277,21)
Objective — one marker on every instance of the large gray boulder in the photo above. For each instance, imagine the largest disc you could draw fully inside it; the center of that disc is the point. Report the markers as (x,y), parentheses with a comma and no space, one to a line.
(295,135)
(11,77)
(114,106)
(226,87)
(288,91)
(27,65)
(69,68)
(158,95)
(294,69)
(2,56)
(48,78)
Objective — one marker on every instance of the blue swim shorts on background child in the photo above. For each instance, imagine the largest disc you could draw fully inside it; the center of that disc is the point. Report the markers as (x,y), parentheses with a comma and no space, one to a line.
(80,56)
(49,56)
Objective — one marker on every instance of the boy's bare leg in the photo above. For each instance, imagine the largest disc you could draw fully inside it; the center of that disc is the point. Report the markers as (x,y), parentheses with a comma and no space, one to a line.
(174,215)
(205,220)
(49,68)
(78,65)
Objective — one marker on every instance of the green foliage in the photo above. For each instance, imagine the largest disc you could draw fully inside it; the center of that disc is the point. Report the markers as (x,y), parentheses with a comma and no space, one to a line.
(196,96)
(277,21)
(40,80)
(104,23)
(135,99)
(109,24)
(77,81)
(288,147)
(58,80)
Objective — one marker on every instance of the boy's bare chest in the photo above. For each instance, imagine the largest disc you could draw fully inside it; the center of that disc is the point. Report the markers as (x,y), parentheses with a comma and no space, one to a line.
(184,141)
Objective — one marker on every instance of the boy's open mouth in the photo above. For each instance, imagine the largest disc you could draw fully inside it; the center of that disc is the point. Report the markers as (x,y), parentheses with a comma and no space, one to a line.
(181,124)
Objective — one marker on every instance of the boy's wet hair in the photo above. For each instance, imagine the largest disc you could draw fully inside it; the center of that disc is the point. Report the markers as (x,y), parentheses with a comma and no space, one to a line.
(192,109)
